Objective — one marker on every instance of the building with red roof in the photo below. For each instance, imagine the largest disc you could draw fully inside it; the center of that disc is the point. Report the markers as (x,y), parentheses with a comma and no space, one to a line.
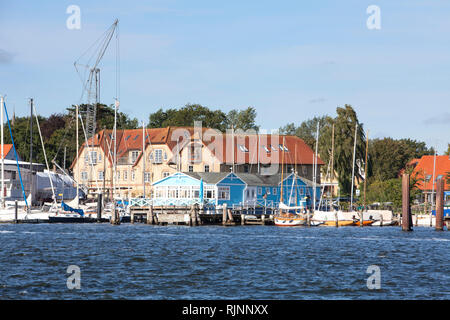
(186,149)
(427,170)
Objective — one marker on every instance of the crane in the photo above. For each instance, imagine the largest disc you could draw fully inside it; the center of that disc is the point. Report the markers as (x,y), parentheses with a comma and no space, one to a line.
(91,81)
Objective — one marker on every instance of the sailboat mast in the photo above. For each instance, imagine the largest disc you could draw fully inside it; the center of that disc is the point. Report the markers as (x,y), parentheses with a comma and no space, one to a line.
(315,167)
(282,172)
(365,168)
(2,153)
(31,153)
(353,168)
(143,157)
(78,158)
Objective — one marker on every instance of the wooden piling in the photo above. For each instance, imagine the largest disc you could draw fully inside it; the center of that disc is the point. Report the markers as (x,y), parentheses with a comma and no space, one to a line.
(263,219)
(99,207)
(440,205)
(230,216)
(336,219)
(406,209)
(381,220)
(242,220)
(224,214)
(16,209)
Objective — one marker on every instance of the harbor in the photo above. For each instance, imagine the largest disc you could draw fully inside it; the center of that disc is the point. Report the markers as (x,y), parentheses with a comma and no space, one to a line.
(237,154)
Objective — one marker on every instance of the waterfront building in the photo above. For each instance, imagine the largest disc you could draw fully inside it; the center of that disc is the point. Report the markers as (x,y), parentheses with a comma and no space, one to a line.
(232,189)
(427,170)
(141,161)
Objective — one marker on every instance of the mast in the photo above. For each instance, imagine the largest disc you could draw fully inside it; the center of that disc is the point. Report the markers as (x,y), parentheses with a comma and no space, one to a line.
(282,172)
(31,153)
(353,170)
(2,154)
(143,157)
(315,167)
(78,159)
(365,168)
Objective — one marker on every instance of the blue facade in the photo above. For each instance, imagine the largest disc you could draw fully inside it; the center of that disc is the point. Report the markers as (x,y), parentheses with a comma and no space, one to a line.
(232,189)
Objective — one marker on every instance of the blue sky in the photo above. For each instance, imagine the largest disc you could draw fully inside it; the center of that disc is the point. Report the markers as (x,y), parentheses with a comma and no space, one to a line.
(291,60)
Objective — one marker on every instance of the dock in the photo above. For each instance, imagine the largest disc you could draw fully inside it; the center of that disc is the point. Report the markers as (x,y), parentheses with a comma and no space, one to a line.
(195,216)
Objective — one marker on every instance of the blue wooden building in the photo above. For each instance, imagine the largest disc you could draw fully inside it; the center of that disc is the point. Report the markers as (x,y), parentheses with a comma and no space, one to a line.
(235,189)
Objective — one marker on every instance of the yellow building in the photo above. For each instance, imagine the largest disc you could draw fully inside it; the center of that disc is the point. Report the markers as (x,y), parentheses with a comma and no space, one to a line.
(186,149)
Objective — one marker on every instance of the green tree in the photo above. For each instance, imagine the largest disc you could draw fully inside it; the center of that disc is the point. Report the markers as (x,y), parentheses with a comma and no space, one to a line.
(185,117)
(448,150)
(306,130)
(243,119)
(389,156)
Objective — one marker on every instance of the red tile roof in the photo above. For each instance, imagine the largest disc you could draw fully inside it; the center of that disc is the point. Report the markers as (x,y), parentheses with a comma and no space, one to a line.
(248,148)
(425,168)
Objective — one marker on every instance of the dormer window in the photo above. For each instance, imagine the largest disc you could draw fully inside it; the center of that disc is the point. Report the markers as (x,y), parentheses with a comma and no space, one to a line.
(243,148)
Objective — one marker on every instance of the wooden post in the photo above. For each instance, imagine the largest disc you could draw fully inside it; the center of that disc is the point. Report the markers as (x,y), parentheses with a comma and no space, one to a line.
(99,206)
(16,209)
(263,219)
(440,205)
(381,220)
(406,209)
(242,220)
(230,215)
(361,218)
(132,216)
(224,214)
(336,219)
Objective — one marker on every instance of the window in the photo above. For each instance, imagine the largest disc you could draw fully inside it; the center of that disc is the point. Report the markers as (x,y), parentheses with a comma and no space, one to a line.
(157,156)
(165,174)
(259,191)
(133,175)
(125,175)
(99,157)
(191,169)
(304,170)
(246,168)
(209,192)
(283,148)
(84,175)
(134,156)
(173,192)
(274,190)
(223,193)
(301,191)
(206,168)
(195,153)
(118,175)
(90,157)
(147,176)
(100,175)
(267,190)
(243,148)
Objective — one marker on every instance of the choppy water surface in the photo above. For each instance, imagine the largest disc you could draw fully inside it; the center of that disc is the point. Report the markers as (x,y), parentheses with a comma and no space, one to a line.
(254,262)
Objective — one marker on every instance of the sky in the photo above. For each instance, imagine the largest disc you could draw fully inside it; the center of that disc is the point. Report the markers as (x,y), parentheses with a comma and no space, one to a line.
(290,60)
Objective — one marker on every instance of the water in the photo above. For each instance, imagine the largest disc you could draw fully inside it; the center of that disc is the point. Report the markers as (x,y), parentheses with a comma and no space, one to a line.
(254,262)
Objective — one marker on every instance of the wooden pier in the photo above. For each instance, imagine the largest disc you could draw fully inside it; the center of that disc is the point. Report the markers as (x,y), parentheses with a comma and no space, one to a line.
(196,216)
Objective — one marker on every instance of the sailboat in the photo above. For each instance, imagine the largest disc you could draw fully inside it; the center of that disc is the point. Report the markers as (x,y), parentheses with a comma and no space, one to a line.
(288,216)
